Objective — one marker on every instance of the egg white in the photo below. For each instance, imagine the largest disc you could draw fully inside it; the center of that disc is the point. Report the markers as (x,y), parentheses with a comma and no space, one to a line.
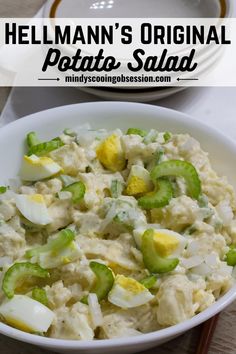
(51,260)
(182,241)
(122,297)
(33,208)
(36,168)
(27,314)
(142,173)
(139,231)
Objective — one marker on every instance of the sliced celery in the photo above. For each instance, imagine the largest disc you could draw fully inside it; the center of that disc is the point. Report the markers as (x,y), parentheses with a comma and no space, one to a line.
(32,139)
(64,238)
(158,198)
(179,168)
(40,295)
(149,282)
(44,148)
(77,189)
(17,273)
(152,261)
(3,189)
(136,131)
(104,281)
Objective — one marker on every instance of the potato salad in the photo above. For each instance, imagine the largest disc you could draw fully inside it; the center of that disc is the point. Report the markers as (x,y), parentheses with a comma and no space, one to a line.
(107,234)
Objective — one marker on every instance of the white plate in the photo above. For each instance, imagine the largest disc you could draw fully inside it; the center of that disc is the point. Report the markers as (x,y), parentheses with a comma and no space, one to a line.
(139,96)
(206,61)
(147,94)
(136,8)
(50,123)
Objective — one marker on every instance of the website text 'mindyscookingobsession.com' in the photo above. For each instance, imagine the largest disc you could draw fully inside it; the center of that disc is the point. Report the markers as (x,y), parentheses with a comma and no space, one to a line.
(115,79)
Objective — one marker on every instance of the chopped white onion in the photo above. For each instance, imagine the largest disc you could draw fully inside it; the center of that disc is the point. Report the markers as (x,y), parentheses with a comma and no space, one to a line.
(86,137)
(84,261)
(67,180)
(203,269)
(225,212)
(72,227)
(193,247)
(15,184)
(205,213)
(225,269)
(109,217)
(5,261)
(95,310)
(7,195)
(191,262)
(90,154)
(27,190)
(190,145)
(194,277)
(211,260)
(64,195)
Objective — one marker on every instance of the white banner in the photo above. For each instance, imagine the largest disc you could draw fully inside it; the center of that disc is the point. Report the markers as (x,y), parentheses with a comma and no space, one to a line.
(117,52)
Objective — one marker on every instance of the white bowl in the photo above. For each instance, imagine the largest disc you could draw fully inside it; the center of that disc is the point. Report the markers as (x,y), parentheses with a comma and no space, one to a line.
(50,123)
(148,94)
(137,8)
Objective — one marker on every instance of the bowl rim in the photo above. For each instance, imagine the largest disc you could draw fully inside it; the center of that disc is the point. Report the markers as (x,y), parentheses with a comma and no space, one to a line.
(150,337)
(51,8)
(229,8)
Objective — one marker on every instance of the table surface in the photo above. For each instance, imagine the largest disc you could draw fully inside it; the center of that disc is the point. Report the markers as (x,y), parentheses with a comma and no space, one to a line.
(224,340)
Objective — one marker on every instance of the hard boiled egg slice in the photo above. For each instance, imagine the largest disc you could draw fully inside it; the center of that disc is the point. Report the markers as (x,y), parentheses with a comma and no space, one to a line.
(169,243)
(110,153)
(33,208)
(51,260)
(127,293)
(139,231)
(26,314)
(139,181)
(36,168)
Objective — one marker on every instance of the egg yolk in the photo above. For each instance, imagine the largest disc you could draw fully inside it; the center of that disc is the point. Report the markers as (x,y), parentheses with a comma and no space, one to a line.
(37,198)
(18,324)
(165,244)
(130,284)
(39,160)
(136,185)
(109,153)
